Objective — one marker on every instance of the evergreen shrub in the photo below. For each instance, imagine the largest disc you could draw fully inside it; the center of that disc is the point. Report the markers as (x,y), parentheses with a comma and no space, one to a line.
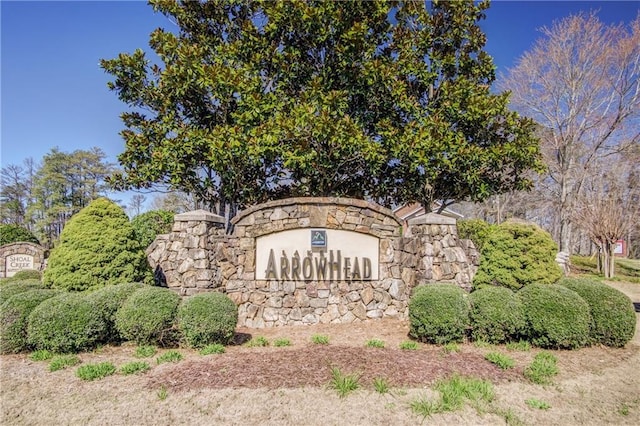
(476,230)
(14,314)
(13,287)
(14,234)
(27,274)
(438,313)
(149,225)
(97,246)
(66,323)
(496,315)
(556,317)
(107,300)
(515,255)
(148,316)
(207,318)
(614,317)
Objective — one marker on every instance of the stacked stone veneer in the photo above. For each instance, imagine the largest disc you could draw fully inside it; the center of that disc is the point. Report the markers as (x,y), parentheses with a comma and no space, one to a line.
(197,256)
(29,249)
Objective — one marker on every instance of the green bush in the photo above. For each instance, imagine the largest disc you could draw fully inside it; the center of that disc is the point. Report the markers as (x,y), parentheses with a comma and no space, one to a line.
(65,323)
(515,255)
(496,315)
(95,371)
(107,301)
(476,230)
(614,317)
(148,315)
(14,233)
(556,316)
(149,225)
(14,314)
(97,246)
(207,318)
(27,274)
(10,289)
(438,313)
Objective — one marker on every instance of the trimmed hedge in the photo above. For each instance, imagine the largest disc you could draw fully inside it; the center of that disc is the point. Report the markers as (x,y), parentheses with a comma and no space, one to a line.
(515,255)
(27,274)
(148,316)
(66,323)
(207,318)
(556,317)
(496,314)
(438,313)
(11,288)
(14,314)
(614,317)
(107,301)
(97,246)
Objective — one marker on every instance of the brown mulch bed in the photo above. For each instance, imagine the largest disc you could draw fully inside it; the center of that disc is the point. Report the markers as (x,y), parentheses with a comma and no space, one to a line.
(311,366)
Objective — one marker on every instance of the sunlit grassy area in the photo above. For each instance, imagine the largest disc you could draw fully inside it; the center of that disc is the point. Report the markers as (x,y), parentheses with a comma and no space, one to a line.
(626,269)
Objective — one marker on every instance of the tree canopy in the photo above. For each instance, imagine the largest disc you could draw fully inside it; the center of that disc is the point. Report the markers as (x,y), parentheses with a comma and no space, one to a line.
(256,100)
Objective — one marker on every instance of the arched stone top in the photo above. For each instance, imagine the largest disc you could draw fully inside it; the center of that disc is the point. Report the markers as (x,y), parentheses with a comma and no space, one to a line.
(317,212)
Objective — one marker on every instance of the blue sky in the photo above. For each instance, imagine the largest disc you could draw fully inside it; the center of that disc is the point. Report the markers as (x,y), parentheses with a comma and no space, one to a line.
(53,92)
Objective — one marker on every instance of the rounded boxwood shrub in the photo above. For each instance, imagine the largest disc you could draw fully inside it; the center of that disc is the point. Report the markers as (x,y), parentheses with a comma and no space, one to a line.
(148,315)
(613,314)
(27,274)
(556,317)
(65,323)
(14,234)
(97,246)
(107,300)
(496,315)
(11,288)
(14,314)
(438,313)
(149,225)
(515,255)
(207,318)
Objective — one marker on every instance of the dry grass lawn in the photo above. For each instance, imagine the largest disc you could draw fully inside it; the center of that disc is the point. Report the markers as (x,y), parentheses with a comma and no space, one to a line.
(289,385)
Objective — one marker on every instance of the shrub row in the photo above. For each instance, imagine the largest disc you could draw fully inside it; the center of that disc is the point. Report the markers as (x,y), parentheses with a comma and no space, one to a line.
(33,318)
(567,315)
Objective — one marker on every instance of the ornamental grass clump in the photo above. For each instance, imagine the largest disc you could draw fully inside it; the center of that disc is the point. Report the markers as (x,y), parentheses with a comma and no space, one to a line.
(613,314)
(148,316)
(14,315)
(556,317)
(438,313)
(65,323)
(496,315)
(207,318)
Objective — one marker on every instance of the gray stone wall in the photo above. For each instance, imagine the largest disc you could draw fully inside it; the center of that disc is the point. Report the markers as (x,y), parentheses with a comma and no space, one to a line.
(196,256)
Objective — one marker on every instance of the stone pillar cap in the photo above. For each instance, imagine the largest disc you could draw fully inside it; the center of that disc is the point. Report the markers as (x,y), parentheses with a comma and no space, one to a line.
(198,216)
(432,219)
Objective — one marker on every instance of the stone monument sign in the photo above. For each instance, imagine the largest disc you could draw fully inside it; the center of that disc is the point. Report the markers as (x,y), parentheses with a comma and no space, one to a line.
(20,256)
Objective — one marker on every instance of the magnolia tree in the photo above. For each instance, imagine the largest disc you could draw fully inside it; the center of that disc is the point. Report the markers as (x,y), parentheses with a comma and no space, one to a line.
(580,82)
(252,101)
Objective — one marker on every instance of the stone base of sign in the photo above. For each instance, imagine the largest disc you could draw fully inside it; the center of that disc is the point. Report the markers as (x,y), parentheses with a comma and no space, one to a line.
(197,256)
(21,256)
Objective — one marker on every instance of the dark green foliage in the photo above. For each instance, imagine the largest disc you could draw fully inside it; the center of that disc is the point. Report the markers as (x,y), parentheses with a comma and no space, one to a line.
(207,318)
(97,247)
(148,315)
(614,317)
(515,255)
(12,287)
(496,315)
(14,314)
(438,313)
(556,317)
(476,230)
(14,233)
(107,301)
(150,224)
(66,323)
